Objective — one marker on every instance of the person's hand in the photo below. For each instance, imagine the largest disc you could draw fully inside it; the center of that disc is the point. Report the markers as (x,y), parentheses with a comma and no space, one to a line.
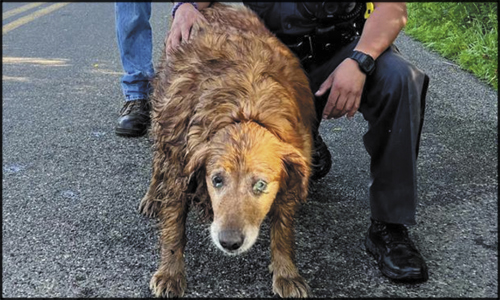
(185,16)
(346,86)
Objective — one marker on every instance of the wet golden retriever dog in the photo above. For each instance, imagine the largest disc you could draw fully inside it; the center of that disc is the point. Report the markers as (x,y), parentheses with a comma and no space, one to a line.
(231,122)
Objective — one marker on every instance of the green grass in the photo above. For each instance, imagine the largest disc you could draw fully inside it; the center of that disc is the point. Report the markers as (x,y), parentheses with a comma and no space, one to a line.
(464,32)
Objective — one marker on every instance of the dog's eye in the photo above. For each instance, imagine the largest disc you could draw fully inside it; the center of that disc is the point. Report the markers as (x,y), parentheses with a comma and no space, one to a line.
(259,187)
(217,181)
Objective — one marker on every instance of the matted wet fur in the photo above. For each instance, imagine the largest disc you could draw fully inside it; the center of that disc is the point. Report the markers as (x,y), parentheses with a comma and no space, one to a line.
(231,123)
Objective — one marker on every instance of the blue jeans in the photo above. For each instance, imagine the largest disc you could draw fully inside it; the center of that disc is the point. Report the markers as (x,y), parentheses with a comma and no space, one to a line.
(135,41)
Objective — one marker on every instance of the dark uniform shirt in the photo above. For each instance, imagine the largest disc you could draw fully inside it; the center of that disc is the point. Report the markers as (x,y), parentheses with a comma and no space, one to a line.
(312,30)
(301,18)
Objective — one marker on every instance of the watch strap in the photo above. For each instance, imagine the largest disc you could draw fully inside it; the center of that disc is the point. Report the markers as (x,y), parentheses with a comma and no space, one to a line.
(364,61)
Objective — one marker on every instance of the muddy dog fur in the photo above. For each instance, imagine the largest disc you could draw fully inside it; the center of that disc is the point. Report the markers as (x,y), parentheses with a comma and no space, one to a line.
(232,116)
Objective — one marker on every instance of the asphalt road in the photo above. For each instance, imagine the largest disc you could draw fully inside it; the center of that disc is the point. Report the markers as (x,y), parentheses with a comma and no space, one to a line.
(71,187)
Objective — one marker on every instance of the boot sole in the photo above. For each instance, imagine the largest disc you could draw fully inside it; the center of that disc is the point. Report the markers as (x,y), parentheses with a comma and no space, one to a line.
(130,133)
(407,277)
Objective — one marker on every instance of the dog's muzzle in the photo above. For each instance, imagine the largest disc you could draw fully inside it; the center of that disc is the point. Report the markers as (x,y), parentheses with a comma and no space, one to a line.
(233,240)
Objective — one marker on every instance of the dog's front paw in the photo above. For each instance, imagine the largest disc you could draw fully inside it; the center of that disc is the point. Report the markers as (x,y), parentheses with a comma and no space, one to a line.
(294,287)
(169,286)
(149,207)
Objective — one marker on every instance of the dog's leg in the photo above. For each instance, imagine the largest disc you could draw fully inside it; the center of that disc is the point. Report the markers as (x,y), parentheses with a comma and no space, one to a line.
(150,204)
(286,279)
(170,278)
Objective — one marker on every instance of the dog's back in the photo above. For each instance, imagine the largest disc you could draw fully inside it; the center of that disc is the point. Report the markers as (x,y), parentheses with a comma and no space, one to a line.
(237,58)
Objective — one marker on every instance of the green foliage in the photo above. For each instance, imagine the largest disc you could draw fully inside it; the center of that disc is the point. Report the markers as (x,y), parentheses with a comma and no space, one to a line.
(464,32)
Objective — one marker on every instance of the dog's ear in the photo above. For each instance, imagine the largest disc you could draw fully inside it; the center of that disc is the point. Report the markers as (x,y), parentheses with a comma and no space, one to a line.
(195,170)
(297,172)
(196,160)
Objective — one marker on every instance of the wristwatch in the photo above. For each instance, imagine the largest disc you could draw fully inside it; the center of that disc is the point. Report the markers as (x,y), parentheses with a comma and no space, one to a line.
(366,62)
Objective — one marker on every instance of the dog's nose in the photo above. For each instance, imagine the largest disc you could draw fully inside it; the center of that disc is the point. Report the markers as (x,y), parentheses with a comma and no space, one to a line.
(231,239)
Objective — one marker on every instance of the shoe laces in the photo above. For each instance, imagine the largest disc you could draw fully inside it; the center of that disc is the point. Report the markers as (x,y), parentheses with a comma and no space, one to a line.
(141,106)
(394,234)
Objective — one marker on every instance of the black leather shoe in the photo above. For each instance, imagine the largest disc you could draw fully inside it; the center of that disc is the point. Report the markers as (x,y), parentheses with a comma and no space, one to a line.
(397,256)
(321,159)
(134,118)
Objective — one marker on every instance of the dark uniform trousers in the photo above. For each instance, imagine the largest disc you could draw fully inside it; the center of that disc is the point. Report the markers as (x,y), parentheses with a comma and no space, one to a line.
(393,103)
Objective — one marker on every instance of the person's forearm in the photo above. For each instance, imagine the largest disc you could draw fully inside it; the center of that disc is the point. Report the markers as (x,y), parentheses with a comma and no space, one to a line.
(382,28)
(202,5)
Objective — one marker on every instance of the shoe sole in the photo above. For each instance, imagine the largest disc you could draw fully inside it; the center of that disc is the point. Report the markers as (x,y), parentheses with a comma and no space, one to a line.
(398,277)
(130,133)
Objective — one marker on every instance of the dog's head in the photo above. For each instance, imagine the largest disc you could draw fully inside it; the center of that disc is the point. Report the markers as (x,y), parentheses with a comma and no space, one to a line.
(246,167)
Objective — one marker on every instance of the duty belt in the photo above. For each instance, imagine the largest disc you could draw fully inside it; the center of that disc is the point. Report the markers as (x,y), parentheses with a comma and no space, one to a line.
(320,45)
(316,47)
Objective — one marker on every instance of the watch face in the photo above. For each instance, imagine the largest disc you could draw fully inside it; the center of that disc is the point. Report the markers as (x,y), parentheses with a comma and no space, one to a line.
(366,63)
